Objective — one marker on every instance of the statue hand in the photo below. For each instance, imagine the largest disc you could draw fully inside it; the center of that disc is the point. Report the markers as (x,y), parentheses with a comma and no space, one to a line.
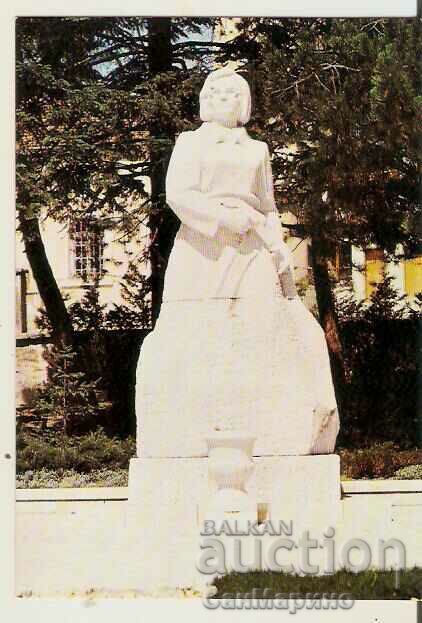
(241,219)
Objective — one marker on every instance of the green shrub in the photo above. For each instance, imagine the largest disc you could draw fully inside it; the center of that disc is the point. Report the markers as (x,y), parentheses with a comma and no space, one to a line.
(96,451)
(68,397)
(381,460)
(47,478)
(381,398)
(53,450)
(411,472)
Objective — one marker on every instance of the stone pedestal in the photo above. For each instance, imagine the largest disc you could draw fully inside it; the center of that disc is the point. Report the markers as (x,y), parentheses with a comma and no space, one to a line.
(169,500)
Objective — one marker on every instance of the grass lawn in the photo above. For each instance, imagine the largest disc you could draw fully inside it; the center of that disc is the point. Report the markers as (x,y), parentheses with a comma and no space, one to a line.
(371,584)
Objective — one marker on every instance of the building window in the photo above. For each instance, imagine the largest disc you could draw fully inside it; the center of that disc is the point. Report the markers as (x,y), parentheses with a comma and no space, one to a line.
(87,247)
(341,262)
(374,269)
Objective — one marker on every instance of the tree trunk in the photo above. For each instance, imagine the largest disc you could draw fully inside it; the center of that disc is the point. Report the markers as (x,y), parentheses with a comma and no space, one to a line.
(163,223)
(327,313)
(48,289)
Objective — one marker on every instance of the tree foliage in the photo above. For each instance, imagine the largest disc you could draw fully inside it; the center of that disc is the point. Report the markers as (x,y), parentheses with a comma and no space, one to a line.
(339,102)
(382,361)
(100,101)
(347,95)
(68,397)
(92,92)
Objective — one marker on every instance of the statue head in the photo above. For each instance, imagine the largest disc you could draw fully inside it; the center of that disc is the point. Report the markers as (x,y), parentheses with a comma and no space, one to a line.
(226,98)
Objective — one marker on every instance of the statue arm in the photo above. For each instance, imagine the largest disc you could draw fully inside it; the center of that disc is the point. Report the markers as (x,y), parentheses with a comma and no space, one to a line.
(274,229)
(183,194)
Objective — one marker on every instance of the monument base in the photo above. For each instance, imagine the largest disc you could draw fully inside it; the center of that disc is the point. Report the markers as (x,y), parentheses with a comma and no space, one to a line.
(170,515)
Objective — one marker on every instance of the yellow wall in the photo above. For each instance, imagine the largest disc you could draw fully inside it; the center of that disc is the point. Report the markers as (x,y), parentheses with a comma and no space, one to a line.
(374,270)
(413,275)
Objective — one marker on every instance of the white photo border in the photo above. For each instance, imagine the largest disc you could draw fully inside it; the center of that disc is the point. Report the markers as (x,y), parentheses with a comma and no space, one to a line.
(15,609)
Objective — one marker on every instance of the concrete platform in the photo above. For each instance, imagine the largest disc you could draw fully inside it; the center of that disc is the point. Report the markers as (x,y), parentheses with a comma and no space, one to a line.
(169,500)
(73,540)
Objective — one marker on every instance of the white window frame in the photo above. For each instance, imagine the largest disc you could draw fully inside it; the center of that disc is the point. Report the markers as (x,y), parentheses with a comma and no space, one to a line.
(86,245)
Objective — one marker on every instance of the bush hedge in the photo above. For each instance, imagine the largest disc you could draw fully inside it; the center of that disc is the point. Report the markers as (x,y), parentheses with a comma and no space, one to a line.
(83,454)
(382,460)
(96,451)
(381,399)
(50,478)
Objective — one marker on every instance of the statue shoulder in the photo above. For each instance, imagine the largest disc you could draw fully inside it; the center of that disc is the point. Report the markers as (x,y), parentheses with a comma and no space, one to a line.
(186,141)
(187,135)
(261,147)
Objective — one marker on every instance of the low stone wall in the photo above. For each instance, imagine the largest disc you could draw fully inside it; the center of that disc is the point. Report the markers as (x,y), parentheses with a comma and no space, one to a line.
(74,540)
(31,370)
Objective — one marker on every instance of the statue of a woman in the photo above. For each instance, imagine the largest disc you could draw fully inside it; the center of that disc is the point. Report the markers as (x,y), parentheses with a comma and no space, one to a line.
(234,347)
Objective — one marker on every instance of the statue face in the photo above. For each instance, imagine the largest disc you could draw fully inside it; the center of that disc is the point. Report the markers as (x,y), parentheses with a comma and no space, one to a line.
(224,100)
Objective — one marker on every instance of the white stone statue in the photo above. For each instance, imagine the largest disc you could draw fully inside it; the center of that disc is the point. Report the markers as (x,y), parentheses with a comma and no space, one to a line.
(234,348)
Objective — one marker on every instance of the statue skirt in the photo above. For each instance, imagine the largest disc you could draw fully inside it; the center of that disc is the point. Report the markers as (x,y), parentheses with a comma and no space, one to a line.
(230,353)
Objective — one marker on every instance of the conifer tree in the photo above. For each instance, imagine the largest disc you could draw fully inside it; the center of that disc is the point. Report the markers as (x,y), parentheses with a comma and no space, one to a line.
(345,96)
(92,92)
(68,397)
